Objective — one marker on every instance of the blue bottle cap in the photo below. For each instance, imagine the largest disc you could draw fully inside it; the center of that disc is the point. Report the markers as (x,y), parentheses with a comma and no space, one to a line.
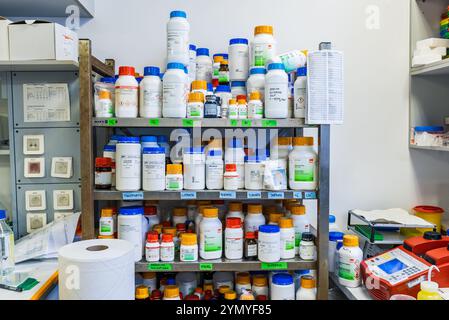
(194,150)
(170,282)
(301,72)
(151,71)
(223,88)
(258,158)
(210,87)
(161,75)
(178,13)
(331,218)
(238,84)
(335,235)
(202,52)
(192,47)
(131,211)
(429,129)
(235,143)
(215,153)
(148,139)
(115,137)
(124,139)
(162,139)
(282,279)
(258,70)
(269,228)
(2,214)
(107,80)
(153,150)
(238,41)
(109,147)
(175,65)
(276,66)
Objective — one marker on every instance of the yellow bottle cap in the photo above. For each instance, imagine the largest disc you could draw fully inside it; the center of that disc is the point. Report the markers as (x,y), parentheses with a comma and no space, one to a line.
(199,85)
(275,217)
(218,59)
(105,237)
(169,230)
(254,208)
(107,212)
(263,29)
(174,168)
(241,101)
(179,212)
(284,141)
(350,240)
(210,212)
(188,239)
(104,94)
(232,101)
(149,275)
(224,62)
(196,97)
(308,282)
(171,291)
(255,95)
(235,206)
(230,295)
(259,280)
(224,289)
(286,223)
(303,141)
(247,296)
(243,278)
(142,292)
(298,209)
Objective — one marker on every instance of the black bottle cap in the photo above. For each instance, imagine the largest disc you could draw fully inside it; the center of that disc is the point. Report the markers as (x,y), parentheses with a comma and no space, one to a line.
(432,235)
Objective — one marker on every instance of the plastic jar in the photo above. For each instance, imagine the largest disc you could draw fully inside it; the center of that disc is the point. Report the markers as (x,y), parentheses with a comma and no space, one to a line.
(282,287)
(287,238)
(269,242)
(235,155)
(153,169)
(276,92)
(188,248)
(167,248)
(151,94)
(174,180)
(212,107)
(254,218)
(231,178)
(238,59)
(300,93)
(250,246)
(194,168)
(263,46)
(106,222)
(103,173)
(255,106)
(214,170)
(260,285)
(300,222)
(150,213)
(126,94)
(349,258)
(242,282)
(203,65)
(103,106)
(149,142)
(307,291)
(221,279)
(178,38)
(235,210)
(238,88)
(103,109)
(233,239)
(211,235)
(242,107)
(303,171)
(192,62)
(233,109)
(195,106)
(224,93)
(171,292)
(179,215)
(254,172)
(281,147)
(256,81)
(128,164)
(152,247)
(334,237)
(200,86)
(131,226)
(307,248)
(174,91)
(109,152)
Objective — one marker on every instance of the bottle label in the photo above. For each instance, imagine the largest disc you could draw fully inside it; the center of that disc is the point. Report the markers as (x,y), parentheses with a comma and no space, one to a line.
(262,53)
(212,240)
(126,97)
(288,243)
(104,109)
(304,170)
(277,93)
(106,227)
(223,77)
(152,100)
(152,253)
(234,245)
(243,111)
(167,253)
(268,247)
(153,169)
(349,268)
(214,172)
(177,42)
(194,110)
(203,72)
(252,250)
(103,178)
(128,166)
(307,252)
(174,94)
(300,101)
(174,183)
(187,254)
(233,111)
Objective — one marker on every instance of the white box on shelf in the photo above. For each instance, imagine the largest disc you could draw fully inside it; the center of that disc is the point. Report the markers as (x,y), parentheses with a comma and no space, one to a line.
(432,43)
(4,42)
(36,221)
(41,40)
(35,200)
(34,167)
(63,199)
(423,60)
(61,167)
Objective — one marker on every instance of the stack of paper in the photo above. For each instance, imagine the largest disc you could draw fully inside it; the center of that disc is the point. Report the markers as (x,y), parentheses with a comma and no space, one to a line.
(429,51)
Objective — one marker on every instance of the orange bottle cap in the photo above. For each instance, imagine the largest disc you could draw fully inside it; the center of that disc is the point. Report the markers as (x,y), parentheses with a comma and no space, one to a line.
(179,212)
(210,212)
(142,292)
(254,208)
(104,94)
(307,282)
(259,280)
(235,206)
(171,291)
(263,29)
(298,209)
(303,141)
(243,278)
(255,95)
(286,223)
(174,168)
(350,240)
(107,212)
(196,97)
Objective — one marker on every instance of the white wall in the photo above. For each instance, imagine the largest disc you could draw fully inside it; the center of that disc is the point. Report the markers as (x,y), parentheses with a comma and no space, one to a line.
(371,165)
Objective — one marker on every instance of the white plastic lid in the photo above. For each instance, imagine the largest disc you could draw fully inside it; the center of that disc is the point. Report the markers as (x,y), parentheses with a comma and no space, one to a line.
(429,286)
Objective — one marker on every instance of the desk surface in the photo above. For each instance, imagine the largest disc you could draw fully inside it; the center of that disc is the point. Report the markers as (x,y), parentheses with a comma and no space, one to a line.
(44,271)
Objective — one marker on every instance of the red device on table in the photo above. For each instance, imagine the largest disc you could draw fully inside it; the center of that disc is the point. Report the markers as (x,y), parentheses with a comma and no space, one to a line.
(402,269)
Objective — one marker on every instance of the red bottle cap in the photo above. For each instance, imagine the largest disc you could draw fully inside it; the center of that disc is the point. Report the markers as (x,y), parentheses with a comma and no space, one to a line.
(233,222)
(250,235)
(181,227)
(167,237)
(192,297)
(103,162)
(156,295)
(241,97)
(152,236)
(231,167)
(126,71)
(166,224)
(261,297)
(150,210)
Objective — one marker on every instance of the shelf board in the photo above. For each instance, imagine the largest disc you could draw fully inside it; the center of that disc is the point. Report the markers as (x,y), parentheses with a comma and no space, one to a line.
(446,149)
(224,265)
(389,237)
(433,69)
(39,65)
(205,123)
(203,195)
(359,293)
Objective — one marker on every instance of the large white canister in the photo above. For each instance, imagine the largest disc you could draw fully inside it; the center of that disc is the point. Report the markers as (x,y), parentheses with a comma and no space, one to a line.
(128,164)
(276,92)
(132,226)
(153,169)
(178,38)
(282,287)
(238,59)
(174,93)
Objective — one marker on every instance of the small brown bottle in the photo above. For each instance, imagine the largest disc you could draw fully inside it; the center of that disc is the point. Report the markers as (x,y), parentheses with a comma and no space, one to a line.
(250,247)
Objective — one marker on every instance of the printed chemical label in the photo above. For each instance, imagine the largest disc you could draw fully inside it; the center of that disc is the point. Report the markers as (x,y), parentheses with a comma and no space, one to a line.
(349,268)
(206,266)
(304,170)
(160,267)
(188,195)
(227,195)
(254,195)
(128,164)
(309,195)
(132,195)
(275,195)
(273,265)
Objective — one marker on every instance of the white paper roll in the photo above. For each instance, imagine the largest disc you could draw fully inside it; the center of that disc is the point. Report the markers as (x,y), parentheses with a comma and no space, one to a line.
(99,269)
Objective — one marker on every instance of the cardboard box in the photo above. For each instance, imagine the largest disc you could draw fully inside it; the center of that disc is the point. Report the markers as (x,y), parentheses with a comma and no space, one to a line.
(41,40)
(4,42)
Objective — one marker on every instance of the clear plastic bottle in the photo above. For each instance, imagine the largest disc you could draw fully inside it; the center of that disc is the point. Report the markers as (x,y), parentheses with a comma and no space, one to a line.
(6,246)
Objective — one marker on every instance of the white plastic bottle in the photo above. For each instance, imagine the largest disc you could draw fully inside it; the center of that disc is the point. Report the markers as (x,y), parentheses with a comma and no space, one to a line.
(178,38)
(233,238)
(195,106)
(224,93)
(242,107)
(167,248)
(128,164)
(153,169)
(307,291)
(104,107)
(233,109)
(194,168)
(126,94)
(263,46)
(349,258)
(211,235)
(192,62)
(188,251)
(300,222)
(203,65)
(174,179)
(235,210)
(131,227)
(255,106)
(300,93)
(287,238)
(235,155)
(255,218)
(238,59)
(276,92)
(174,91)
(151,94)
(238,88)
(302,163)
(152,247)
(256,81)
(214,170)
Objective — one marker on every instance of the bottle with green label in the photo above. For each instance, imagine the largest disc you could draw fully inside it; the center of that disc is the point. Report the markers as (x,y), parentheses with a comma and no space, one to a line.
(303,169)
(211,235)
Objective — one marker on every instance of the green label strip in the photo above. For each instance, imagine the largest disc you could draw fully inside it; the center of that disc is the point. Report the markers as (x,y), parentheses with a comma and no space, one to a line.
(246,123)
(273,265)
(154,122)
(111,122)
(269,123)
(206,266)
(233,123)
(160,267)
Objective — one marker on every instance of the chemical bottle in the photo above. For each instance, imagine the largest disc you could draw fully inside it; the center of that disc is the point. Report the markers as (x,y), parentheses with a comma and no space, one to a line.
(242,107)
(230,295)
(238,59)
(254,219)
(167,248)
(300,222)
(256,81)
(152,247)
(6,246)
(174,180)
(106,222)
(171,292)
(192,62)
(203,65)
(300,93)
(236,155)
(233,109)
(250,246)
(238,88)
(303,171)
(195,106)
(429,288)
(223,73)
(214,170)
(276,92)
(287,238)
(178,38)
(255,106)
(263,46)
(291,60)
(224,93)
(349,258)
(233,238)
(307,291)
(211,235)
(242,282)
(246,295)
(126,94)
(200,86)
(189,247)
(333,227)
(156,295)
(235,209)
(174,91)
(104,107)
(151,94)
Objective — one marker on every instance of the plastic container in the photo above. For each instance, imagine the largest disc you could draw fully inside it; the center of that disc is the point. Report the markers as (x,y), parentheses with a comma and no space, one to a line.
(234,239)
(300,93)
(255,218)
(192,62)
(174,91)
(186,281)
(216,63)
(307,248)
(263,46)
(221,279)
(106,222)
(199,86)
(150,94)
(195,106)
(103,109)
(282,287)
(214,170)
(167,248)
(260,285)
(128,164)
(211,235)
(276,92)
(235,210)
(148,142)
(307,291)
(233,109)
(203,65)
(334,237)
(256,81)
(179,216)
(291,60)
(132,226)
(269,243)
(238,88)
(431,214)
(236,155)
(109,152)
(126,94)
(223,73)
(7,246)
(242,107)
(194,168)
(171,292)
(238,59)
(250,246)
(152,247)
(178,29)
(103,173)
(281,147)
(149,280)
(224,93)
(153,169)
(189,247)
(255,106)
(174,180)
(300,222)
(212,107)
(349,258)
(287,238)
(303,169)
(254,172)
(242,282)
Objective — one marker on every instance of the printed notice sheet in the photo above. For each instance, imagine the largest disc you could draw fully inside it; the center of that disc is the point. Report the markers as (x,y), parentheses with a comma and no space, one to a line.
(325,87)
(46,102)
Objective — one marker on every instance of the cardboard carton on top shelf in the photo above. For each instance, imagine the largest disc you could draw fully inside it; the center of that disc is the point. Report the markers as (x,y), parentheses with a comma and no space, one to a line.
(4,42)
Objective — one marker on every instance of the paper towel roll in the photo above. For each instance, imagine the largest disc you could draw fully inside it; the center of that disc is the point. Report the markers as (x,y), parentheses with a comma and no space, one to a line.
(99,269)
